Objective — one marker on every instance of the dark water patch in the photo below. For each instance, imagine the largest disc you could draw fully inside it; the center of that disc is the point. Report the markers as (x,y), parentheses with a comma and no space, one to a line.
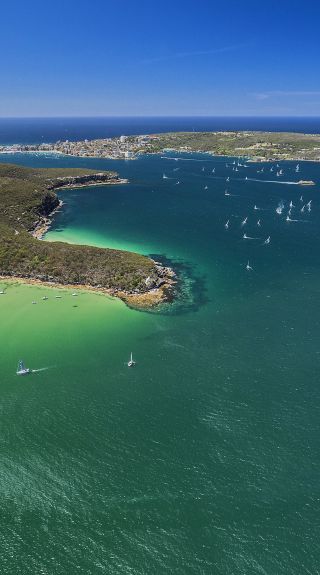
(188,294)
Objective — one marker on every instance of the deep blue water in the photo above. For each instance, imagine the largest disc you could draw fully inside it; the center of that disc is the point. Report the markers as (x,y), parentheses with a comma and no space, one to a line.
(35,130)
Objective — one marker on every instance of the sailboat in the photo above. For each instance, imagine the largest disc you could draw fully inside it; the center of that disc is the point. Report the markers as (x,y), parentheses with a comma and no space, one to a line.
(22,369)
(131,362)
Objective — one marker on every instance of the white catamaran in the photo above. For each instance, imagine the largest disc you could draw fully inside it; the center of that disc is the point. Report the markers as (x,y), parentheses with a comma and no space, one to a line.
(22,369)
(131,362)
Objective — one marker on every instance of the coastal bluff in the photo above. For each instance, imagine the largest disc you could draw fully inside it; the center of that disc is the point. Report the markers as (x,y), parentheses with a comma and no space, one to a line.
(28,201)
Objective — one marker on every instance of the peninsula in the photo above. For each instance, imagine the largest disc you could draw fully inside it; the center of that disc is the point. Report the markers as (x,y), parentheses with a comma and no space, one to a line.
(258,146)
(27,202)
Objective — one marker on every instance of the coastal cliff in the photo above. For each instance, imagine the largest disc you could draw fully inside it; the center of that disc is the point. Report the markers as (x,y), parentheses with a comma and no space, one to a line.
(27,204)
(74,181)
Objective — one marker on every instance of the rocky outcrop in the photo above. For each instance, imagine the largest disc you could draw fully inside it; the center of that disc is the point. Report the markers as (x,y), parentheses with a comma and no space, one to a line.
(84,180)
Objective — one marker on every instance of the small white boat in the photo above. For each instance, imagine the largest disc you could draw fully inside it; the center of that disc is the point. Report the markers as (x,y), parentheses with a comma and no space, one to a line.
(228,179)
(164,177)
(34,303)
(267,241)
(243,223)
(205,187)
(2,292)
(45,297)
(58,296)
(248,267)
(226,225)
(297,168)
(131,362)
(259,223)
(22,369)
(280,208)
(74,294)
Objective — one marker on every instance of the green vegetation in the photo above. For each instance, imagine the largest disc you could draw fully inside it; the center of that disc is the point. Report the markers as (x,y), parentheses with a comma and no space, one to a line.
(27,197)
(257,145)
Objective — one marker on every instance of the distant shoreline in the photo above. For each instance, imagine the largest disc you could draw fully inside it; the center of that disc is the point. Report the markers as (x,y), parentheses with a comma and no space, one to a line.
(257,146)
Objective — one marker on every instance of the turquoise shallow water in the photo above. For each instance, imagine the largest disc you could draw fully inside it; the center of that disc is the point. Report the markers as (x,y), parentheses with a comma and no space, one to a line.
(205,457)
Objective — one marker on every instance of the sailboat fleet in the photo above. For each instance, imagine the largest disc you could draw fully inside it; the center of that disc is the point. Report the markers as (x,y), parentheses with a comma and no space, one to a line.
(282,206)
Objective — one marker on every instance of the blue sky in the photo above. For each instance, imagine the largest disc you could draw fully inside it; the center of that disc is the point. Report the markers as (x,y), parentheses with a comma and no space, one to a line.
(205,57)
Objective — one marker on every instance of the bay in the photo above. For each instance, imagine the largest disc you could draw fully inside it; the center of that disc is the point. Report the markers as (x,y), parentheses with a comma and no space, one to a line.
(205,457)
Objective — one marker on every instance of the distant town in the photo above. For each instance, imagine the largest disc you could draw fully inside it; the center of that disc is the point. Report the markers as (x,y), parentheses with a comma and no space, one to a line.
(257,146)
(125,147)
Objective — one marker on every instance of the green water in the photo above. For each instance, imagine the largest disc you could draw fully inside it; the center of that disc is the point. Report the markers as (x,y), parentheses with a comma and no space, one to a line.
(205,457)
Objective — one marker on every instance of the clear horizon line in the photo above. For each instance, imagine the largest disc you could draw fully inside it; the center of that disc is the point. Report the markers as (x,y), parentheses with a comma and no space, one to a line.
(45,117)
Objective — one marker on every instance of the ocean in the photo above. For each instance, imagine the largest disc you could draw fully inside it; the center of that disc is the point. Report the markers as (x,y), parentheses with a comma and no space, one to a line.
(205,457)
(37,130)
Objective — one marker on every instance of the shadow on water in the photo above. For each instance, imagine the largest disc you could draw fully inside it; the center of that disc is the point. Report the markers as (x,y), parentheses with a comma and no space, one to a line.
(188,294)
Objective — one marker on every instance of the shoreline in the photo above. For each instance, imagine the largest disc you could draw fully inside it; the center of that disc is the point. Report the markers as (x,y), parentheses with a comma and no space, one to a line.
(46,221)
(142,301)
(44,225)
(250,158)
(256,145)
(29,204)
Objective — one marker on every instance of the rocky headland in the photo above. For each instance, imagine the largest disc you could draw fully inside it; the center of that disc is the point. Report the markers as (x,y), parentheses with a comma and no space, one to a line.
(28,201)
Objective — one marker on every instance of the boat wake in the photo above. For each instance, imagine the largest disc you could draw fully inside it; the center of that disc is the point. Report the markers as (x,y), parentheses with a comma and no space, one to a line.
(183,159)
(42,368)
(271,182)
